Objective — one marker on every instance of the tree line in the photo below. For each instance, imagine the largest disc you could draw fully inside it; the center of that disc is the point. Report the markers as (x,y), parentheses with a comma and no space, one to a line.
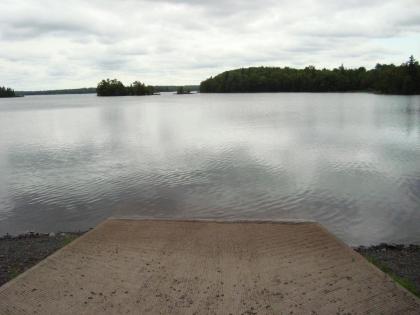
(183,90)
(91,90)
(116,88)
(175,88)
(56,92)
(7,92)
(387,79)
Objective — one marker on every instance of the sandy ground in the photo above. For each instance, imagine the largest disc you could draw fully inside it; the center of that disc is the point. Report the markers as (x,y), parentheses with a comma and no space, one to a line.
(178,267)
(19,253)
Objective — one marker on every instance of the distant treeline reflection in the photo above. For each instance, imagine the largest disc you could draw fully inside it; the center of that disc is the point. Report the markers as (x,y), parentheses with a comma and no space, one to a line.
(387,79)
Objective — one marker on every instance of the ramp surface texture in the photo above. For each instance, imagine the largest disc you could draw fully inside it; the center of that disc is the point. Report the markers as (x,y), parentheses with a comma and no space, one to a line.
(199,267)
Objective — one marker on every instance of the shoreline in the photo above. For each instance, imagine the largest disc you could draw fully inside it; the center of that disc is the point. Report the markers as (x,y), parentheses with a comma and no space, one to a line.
(400,262)
(20,252)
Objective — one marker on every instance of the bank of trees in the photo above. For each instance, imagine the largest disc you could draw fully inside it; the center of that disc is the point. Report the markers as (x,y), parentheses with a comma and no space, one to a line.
(90,90)
(174,88)
(183,90)
(116,88)
(388,79)
(6,92)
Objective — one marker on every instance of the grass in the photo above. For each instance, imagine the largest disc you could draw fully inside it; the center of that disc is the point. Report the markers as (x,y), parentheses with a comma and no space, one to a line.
(68,239)
(13,272)
(405,283)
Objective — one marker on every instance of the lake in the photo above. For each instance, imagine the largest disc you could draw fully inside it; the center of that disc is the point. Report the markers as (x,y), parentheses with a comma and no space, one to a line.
(350,161)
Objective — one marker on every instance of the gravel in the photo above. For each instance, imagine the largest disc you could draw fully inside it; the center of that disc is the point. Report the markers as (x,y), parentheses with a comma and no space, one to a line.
(19,253)
(400,260)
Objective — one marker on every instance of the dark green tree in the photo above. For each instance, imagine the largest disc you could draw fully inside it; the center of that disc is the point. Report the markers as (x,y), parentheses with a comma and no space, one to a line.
(183,90)
(138,88)
(111,88)
(389,79)
(6,92)
(116,88)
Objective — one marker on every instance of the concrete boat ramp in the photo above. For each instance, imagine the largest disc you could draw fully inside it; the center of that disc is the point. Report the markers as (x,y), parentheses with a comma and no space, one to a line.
(205,267)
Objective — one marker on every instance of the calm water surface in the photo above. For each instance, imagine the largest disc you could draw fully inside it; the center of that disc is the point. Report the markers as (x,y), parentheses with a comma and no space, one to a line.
(349,161)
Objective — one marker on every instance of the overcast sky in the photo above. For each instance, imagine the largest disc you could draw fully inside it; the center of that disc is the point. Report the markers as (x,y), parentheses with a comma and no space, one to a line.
(68,44)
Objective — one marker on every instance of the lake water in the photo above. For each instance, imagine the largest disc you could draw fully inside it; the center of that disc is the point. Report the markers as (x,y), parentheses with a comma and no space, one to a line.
(348,160)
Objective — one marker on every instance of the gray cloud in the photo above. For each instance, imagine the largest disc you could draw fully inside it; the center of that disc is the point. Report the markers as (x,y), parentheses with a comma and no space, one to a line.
(54,44)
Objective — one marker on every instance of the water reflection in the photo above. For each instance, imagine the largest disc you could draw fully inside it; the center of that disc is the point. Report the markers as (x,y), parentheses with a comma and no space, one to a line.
(347,160)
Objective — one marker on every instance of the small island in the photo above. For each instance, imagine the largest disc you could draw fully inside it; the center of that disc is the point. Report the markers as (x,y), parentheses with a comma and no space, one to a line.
(174,88)
(116,88)
(384,79)
(183,90)
(7,92)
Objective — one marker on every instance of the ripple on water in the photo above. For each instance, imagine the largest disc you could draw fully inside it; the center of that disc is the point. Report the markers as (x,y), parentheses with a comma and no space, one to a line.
(348,161)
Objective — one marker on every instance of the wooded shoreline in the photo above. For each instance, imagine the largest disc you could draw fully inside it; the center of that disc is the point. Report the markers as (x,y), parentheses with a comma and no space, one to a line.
(382,79)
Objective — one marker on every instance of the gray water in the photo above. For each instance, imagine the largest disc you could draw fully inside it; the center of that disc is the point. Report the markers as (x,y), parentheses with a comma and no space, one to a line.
(350,161)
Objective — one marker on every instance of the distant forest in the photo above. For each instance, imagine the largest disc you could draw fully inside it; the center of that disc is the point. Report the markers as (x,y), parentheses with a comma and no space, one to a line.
(6,92)
(183,90)
(92,90)
(54,92)
(387,79)
(116,88)
(176,88)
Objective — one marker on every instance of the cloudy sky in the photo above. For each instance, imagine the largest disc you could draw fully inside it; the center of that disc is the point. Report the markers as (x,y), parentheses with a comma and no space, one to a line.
(48,44)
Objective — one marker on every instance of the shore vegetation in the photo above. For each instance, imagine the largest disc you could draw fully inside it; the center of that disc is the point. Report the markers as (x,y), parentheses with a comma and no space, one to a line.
(89,90)
(174,88)
(115,87)
(7,92)
(183,90)
(386,79)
